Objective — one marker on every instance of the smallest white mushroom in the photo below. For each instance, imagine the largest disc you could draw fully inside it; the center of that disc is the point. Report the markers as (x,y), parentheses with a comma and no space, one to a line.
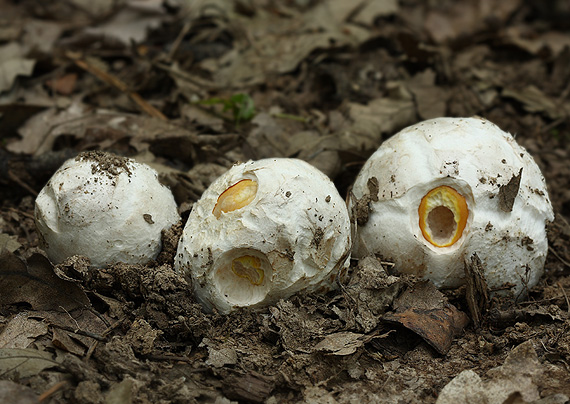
(263,231)
(105,207)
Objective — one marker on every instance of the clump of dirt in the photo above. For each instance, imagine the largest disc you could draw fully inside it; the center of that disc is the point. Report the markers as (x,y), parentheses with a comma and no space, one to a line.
(361,207)
(107,163)
(170,237)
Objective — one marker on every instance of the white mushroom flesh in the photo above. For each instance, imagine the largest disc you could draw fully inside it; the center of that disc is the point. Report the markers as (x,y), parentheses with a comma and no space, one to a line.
(105,207)
(262,232)
(440,191)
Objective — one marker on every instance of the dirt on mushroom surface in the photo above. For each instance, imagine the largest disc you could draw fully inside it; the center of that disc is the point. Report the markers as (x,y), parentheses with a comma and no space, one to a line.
(191,87)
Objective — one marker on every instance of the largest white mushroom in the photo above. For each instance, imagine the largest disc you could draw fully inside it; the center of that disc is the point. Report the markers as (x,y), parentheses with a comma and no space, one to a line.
(108,208)
(442,190)
(263,231)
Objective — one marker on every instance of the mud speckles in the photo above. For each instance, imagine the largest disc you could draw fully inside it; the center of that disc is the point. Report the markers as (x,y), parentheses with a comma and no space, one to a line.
(527,242)
(148,218)
(318,235)
(106,163)
(450,168)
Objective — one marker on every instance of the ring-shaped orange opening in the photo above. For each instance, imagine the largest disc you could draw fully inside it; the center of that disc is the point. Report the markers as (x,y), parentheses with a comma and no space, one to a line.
(443,216)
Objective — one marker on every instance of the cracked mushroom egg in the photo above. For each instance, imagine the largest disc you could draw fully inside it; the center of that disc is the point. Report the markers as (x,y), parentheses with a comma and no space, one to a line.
(445,189)
(105,207)
(263,231)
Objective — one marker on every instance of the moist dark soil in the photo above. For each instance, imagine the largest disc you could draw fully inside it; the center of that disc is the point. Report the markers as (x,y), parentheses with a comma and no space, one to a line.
(192,87)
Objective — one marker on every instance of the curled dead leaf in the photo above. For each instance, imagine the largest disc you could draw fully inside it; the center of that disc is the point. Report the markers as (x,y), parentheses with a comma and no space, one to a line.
(508,192)
(425,310)
(346,342)
(477,291)
(24,362)
(35,283)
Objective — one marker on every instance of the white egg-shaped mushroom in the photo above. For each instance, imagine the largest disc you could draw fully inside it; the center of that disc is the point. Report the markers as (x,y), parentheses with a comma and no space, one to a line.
(105,207)
(444,189)
(263,231)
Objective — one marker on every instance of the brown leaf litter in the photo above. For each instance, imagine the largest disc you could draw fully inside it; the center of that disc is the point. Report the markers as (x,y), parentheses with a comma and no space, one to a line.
(330,81)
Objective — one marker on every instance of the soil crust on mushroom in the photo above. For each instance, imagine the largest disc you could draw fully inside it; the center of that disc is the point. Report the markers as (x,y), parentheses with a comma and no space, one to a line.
(193,90)
(111,164)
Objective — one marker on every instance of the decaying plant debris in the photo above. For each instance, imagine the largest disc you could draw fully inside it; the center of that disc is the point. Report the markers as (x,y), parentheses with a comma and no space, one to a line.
(190,87)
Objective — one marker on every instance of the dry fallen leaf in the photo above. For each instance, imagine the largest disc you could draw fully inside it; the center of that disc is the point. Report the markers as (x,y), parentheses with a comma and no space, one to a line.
(431,99)
(513,382)
(12,65)
(9,242)
(535,100)
(41,36)
(341,343)
(345,342)
(75,331)
(508,193)
(104,128)
(63,340)
(373,291)
(270,44)
(369,10)
(24,362)
(477,291)
(128,25)
(367,124)
(449,23)
(40,131)
(219,357)
(425,311)
(64,85)
(35,283)
(98,8)
(22,330)
(535,43)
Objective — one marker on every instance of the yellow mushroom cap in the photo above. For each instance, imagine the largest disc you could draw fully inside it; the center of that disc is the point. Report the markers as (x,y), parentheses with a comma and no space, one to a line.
(437,194)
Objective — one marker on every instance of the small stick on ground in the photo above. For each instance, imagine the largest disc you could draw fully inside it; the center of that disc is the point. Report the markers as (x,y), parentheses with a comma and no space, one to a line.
(121,86)
(566,263)
(565,296)
(52,390)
